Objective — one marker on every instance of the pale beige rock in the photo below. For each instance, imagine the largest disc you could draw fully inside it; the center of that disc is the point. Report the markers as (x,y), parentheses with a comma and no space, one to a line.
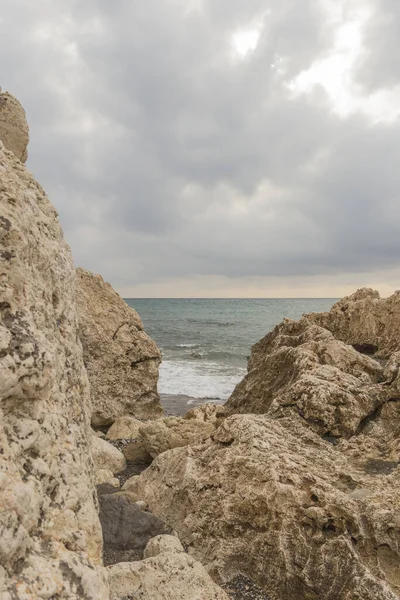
(131,484)
(300,369)
(106,476)
(106,456)
(135,452)
(161,544)
(14,130)
(364,319)
(124,428)
(50,536)
(171,432)
(272,500)
(168,576)
(121,359)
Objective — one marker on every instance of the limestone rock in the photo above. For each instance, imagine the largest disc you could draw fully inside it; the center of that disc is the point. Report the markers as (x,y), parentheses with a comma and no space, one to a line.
(131,484)
(14,130)
(300,369)
(171,432)
(366,321)
(121,359)
(161,544)
(106,476)
(50,536)
(124,428)
(168,576)
(272,500)
(125,525)
(136,453)
(106,456)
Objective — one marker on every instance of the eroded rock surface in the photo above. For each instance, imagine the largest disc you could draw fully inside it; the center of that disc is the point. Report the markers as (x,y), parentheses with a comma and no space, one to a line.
(168,574)
(271,499)
(14,130)
(50,536)
(121,359)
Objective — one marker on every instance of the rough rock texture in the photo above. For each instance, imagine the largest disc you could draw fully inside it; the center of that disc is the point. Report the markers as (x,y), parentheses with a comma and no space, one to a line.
(161,544)
(171,432)
(125,525)
(165,576)
(50,536)
(106,456)
(121,359)
(124,428)
(366,321)
(106,476)
(14,130)
(136,453)
(271,499)
(300,369)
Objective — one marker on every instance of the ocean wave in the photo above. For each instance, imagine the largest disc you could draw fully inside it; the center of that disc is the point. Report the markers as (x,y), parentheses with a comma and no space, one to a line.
(187,346)
(199,379)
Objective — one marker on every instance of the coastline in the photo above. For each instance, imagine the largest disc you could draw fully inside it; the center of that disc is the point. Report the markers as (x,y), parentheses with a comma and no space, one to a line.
(179,404)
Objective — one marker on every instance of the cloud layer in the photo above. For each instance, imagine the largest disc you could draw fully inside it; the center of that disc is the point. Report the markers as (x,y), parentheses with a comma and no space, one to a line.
(175,154)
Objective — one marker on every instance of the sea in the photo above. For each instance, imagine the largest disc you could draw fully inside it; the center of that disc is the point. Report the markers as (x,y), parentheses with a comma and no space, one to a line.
(205,343)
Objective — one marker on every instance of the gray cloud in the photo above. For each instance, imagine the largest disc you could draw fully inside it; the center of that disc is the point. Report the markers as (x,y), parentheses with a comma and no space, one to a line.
(167,157)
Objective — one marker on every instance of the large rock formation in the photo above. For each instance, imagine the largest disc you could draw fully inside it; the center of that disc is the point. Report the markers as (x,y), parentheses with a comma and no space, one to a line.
(304,496)
(121,359)
(14,130)
(50,536)
(368,322)
(271,499)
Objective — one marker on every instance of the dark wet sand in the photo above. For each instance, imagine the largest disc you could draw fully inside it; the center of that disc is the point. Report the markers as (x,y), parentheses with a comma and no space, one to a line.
(177,404)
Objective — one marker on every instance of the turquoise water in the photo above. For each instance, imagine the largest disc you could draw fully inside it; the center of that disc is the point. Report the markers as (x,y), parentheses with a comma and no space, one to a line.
(205,342)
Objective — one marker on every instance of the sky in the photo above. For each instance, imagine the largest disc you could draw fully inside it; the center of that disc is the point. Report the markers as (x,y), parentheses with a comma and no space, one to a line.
(216,148)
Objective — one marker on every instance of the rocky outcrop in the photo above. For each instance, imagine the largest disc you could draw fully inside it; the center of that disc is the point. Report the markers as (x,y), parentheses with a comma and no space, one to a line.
(168,574)
(370,323)
(14,130)
(171,432)
(106,456)
(121,359)
(300,369)
(272,500)
(124,428)
(50,536)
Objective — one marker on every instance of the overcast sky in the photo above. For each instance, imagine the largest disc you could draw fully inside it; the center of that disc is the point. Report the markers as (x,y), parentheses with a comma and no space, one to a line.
(216,147)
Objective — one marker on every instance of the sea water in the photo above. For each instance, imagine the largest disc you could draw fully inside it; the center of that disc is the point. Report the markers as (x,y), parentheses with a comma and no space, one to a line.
(205,343)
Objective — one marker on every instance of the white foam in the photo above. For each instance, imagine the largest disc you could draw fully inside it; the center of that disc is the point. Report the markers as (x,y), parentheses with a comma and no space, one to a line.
(187,345)
(202,379)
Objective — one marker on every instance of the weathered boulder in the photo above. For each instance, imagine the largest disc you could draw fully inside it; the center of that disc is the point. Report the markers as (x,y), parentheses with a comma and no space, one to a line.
(50,536)
(136,453)
(161,544)
(166,576)
(125,525)
(106,456)
(14,130)
(300,369)
(106,476)
(171,432)
(272,500)
(124,428)
(370,323)
(121,359)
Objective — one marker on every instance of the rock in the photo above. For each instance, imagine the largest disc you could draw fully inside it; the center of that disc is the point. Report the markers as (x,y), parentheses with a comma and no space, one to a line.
(124,428)
(142,504)
(106,456)
(50,536)
(270,499)
(131,484)
(125,525)
(14,130)
(366,321)
(136,453)
(106,476)
(171,432)
(300,369)
(161,544)
(121,359)
(168,576)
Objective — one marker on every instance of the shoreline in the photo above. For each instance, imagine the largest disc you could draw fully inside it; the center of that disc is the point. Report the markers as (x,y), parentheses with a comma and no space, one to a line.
(179,404)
